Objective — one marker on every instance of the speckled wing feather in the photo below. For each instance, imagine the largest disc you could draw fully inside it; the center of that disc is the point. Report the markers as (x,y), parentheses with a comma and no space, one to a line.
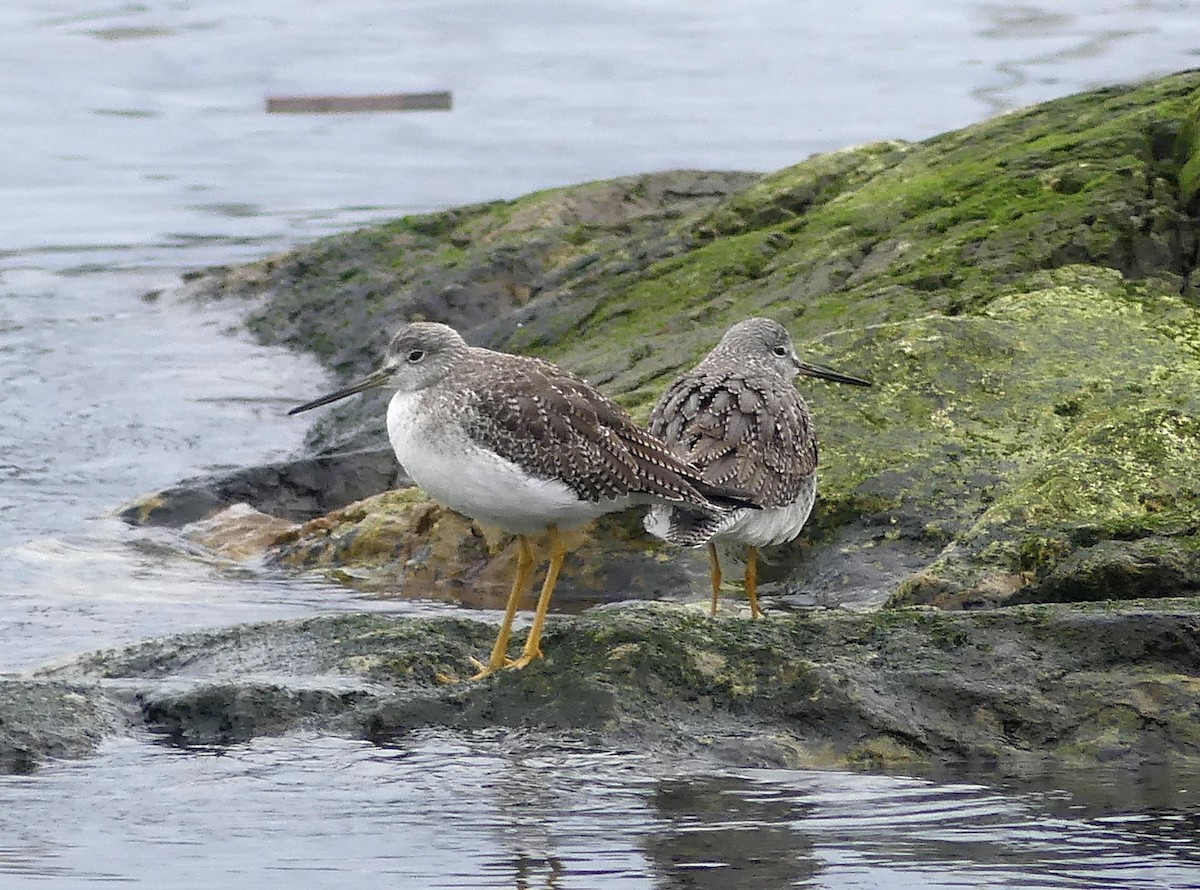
(749,431)
(554,424)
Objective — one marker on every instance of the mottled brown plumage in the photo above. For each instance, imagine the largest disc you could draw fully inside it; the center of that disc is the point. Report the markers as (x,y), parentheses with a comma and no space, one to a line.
(745,426)
(519,443)
(555,425)
(738,417)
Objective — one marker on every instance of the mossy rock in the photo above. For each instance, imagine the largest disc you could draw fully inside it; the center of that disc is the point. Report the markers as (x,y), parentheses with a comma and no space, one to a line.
(895,689)
(401,543)
(1023,293)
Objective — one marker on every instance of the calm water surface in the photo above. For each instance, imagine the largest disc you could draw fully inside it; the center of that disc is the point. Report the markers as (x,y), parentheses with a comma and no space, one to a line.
(478,811)
(135,147)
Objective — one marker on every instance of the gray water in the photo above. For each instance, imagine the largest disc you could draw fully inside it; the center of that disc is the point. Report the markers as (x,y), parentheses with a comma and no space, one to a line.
(134,146)
(480,811)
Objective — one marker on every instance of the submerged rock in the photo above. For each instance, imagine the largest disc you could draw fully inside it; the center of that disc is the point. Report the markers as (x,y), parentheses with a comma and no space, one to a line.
(42,719)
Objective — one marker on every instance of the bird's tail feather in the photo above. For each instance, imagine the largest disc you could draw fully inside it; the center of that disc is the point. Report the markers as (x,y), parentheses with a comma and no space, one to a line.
(687,528)
(726,497)
(690,528)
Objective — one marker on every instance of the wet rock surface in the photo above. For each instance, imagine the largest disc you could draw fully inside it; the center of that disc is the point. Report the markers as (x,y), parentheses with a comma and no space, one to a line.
(42,719)
(293,490)
(1014,690)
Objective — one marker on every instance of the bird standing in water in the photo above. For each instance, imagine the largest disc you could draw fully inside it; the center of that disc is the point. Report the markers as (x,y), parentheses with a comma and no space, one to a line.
(738,417)
(521,444)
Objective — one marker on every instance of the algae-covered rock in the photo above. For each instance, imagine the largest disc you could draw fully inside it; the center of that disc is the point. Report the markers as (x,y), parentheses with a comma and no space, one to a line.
(1022,292)
(1013,690)
(401,542)
(1064,414)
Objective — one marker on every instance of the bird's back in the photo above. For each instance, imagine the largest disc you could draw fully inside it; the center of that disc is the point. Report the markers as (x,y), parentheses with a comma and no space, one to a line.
(554,424)
(750,430)
(742,428)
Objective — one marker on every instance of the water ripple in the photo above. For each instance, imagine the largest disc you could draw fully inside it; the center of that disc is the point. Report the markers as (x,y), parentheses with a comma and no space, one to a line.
(498,810)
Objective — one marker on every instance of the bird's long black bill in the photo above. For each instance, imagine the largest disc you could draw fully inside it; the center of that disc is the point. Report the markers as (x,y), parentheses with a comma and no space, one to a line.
(830,374)
(371,381)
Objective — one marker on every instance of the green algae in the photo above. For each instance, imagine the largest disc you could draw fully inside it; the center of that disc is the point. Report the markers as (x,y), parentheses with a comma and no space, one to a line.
(1020,291)
(1187,154)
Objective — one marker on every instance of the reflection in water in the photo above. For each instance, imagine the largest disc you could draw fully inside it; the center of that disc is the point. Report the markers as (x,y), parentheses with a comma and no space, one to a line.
(718,834)
(535,813)
(564,810)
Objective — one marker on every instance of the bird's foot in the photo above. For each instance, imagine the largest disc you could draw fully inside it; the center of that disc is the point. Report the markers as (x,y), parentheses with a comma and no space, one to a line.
(525,659)
(486,669)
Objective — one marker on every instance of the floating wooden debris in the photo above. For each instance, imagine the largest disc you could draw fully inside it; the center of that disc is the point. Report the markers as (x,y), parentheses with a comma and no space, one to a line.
(439,101)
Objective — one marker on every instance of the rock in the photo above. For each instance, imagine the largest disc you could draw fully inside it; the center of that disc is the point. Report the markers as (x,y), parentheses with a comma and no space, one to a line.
(1022,292)
(238,532)
(908,688)
(294,490)
(403,542)
(43,719)
(1113,570)
(1016,462)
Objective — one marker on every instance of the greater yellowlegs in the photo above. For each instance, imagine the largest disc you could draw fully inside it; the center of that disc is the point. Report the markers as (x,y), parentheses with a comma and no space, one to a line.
(521,444)
(737,416)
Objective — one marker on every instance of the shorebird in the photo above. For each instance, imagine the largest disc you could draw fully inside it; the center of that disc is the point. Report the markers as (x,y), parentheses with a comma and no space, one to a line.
(524,445)
(737,416)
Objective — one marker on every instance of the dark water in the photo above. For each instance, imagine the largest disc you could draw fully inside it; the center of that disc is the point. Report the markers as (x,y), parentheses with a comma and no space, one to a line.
(135,147)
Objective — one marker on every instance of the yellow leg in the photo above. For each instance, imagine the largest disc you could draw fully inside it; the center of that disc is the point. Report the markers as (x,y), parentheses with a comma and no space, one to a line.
(752,580)
(714,571)
(498,658)
(533,650)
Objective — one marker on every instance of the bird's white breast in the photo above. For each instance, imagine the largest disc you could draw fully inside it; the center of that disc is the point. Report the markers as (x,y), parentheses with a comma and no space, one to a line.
(477,482)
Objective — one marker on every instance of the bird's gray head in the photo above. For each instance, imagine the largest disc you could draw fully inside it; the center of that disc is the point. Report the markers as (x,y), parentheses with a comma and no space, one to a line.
(421,354)
(763,343)
(418,356)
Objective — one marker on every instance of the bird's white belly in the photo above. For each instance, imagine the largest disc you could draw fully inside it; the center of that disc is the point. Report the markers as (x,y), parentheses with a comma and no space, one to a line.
(479,483)
(758,528)
(769,526)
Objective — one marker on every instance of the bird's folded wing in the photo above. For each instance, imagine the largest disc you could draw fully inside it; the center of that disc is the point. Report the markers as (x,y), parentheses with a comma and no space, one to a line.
(554,424)
(748,432)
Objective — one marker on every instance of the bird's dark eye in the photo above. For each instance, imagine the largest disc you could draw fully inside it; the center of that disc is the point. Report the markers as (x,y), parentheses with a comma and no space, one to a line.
(415,356)
(780,350)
